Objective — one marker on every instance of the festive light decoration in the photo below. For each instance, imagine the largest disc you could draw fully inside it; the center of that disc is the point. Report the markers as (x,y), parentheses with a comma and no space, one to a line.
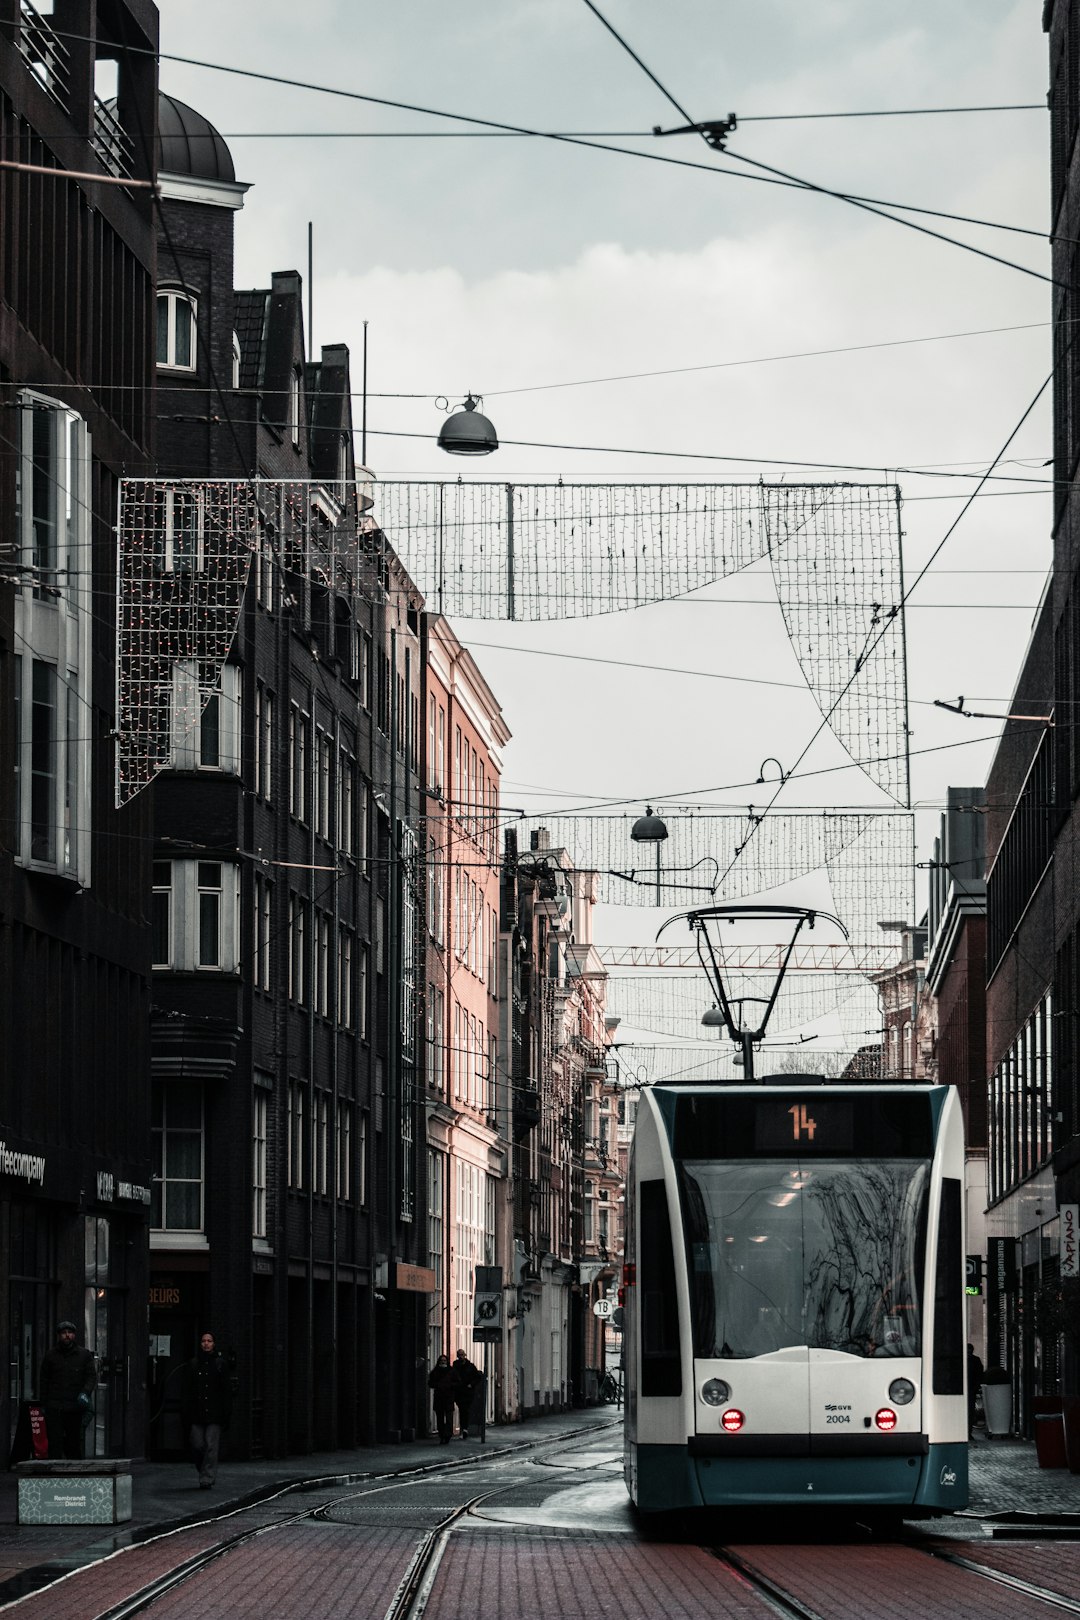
(672,1005)
(484,550)
(867,858)
(185,561)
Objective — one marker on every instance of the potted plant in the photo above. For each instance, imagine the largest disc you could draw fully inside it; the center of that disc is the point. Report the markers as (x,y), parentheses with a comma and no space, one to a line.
(997,1400)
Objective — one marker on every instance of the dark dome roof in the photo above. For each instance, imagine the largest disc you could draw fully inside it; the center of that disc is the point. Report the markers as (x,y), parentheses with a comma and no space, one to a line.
(188,143)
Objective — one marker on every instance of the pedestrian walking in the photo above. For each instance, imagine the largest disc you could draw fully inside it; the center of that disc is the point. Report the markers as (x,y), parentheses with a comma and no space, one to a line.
(445,1386)
(206,1392)
(469,1376)
(66,1385)
(974,1380)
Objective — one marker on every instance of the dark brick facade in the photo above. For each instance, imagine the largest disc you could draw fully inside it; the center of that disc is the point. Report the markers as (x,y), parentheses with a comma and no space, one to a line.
(76,409)
(305,1296)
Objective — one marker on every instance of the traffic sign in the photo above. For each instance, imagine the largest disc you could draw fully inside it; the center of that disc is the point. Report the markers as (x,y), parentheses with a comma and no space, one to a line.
(603,1307)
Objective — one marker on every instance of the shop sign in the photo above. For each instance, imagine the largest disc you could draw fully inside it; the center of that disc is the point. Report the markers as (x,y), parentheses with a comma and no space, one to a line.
(105,1186)
(415,1279)
(23,1166)
(1070,1244)
(163,1297)
(131,1190)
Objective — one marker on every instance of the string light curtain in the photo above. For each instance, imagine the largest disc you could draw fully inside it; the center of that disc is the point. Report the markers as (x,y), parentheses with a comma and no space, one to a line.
(482,550)
(714,856)
(185,559)
(486,550)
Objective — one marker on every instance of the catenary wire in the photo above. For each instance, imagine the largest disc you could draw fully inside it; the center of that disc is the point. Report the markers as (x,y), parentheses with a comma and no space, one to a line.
(866,205)
(655,157)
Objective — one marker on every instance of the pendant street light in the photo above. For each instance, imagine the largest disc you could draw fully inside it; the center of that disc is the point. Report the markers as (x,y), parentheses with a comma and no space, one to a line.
(467,432)
(649,829)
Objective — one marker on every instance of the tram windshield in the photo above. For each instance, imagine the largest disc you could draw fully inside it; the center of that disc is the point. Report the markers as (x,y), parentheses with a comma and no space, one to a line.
(825,1254)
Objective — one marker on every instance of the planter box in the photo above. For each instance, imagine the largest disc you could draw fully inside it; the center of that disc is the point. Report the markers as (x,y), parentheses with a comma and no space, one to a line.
(997,1408)
(64,1491)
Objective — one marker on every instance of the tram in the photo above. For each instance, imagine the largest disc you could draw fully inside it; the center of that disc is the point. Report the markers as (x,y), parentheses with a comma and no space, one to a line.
(794,1297)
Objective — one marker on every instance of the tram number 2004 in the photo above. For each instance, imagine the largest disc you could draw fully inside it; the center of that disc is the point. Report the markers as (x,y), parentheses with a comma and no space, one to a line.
(837,1415)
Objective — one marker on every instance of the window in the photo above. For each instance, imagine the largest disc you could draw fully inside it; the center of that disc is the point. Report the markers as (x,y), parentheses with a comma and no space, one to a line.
(295,1146)
(177,1150)
(258,1163)
(362,994)
(324,779)
(436,1012)
(195,915)
(346,793)
(161,915)
(361,1160)
(299,746)
(294,407)
(205,730)
(365,671)
(263,742)
(322,964)
(184,530)
(321,1143)
(298,948)
(51,672)
(176,329)
(343,1178)
(261,932)
(345,978)
(235,378)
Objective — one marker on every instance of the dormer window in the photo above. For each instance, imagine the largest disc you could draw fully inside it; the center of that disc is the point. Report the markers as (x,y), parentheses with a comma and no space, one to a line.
(235,361)
(176,330)
(294,407)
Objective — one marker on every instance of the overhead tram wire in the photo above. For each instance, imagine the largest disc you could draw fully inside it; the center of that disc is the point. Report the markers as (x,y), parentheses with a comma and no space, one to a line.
(790,179)
(573,140)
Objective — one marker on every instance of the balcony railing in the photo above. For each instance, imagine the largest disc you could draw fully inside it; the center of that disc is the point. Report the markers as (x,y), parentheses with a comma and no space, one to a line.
(45,54)
(110,141)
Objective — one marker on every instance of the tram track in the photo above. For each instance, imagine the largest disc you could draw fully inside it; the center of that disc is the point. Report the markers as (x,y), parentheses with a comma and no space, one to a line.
(770,1586)
(414,1587)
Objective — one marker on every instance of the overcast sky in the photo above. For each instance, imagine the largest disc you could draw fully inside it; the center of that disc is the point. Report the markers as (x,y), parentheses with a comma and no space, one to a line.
(508,265)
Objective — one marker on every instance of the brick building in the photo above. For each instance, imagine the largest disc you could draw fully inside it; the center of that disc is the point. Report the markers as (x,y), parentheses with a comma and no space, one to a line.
(288,1213)
(76,408)
(467,1096)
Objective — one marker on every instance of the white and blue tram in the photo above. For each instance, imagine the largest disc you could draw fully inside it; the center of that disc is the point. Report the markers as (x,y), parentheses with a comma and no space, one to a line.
(794,1297)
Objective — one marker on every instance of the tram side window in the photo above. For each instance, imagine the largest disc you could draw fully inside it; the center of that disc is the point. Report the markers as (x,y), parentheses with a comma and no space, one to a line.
(949,1296)
(661,1360)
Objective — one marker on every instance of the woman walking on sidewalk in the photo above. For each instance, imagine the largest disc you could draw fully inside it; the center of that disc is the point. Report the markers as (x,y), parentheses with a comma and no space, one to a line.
(445,1385)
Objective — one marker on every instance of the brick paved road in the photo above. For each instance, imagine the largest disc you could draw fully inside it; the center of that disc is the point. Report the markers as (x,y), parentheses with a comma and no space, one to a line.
(554,1536)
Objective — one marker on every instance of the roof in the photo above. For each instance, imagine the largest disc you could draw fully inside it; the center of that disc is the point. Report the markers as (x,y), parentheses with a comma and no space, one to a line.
(189,144)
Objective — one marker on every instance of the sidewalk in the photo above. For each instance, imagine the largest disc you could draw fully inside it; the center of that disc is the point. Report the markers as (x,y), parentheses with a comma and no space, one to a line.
(1006,1481)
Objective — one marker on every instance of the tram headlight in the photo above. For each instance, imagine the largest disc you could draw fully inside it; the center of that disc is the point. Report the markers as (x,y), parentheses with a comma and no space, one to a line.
(885,1418)
(901,1391)
(715,1392)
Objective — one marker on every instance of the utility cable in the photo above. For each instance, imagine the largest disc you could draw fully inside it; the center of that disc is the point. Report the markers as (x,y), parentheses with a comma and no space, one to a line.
(791,179)
(571,140)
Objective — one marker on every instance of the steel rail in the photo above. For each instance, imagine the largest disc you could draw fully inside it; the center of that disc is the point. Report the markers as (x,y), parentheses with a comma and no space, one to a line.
(137,1602)
(781,1602)
(1015,1583)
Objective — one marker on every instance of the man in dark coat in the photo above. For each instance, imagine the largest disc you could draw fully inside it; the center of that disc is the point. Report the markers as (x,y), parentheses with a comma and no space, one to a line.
(206,1389)
(445,1385)
(469,1376)
(66,1391)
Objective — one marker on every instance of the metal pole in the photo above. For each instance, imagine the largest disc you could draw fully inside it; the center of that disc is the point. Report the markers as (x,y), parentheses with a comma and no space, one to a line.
(363,406)
(509,551)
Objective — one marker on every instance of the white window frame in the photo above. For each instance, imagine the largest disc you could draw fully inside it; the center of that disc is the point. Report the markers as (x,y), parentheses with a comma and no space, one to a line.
(185,917)
(259,1111)
(162,1157)
(190,730)
(184,529)
(175,299)
(53,632)
(343,1147)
